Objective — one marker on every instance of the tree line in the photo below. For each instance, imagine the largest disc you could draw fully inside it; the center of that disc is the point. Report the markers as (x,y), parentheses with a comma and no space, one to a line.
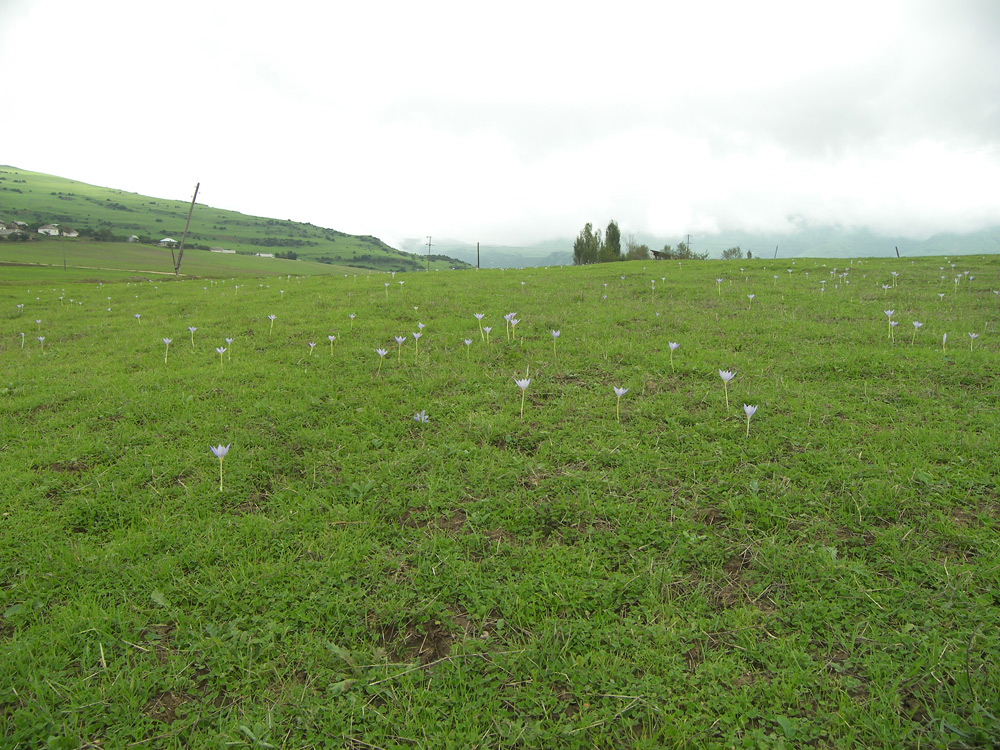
(591,247)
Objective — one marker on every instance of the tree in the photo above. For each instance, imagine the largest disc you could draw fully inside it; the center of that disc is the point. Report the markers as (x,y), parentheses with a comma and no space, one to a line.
(635,251)
(612,248)
(682,252)
(732,253)
(587,247)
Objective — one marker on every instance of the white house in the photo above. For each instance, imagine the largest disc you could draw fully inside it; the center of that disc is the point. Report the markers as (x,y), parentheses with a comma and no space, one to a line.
(264,255)
(165,241)
(70,233)
(133,238)
(221,250)
(49,230)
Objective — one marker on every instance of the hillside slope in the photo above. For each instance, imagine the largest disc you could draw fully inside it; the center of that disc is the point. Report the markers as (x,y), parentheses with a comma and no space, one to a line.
(106,214)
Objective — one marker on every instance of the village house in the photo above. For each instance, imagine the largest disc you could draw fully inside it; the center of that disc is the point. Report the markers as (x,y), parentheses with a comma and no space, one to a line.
(166,241)
(221,250)
(69,232)
(49,230)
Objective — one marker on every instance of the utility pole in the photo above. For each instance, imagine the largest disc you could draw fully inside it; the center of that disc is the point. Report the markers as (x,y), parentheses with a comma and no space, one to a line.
(477,256)
(689,244)
(428,253)
(180,252)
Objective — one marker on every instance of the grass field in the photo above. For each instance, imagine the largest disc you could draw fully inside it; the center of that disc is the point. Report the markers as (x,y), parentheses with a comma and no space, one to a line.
(121,260)
(34,197)
(651,575)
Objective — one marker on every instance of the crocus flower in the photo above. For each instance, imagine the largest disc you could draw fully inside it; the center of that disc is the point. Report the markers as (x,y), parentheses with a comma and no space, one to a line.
(892,329)
(229,343)
(513,327)
(351,316)
(399,344)
(22,339)
(220,451)
(673,345)
(555,335)
(41,342)
(726,376)
(312,345)
(749,411)
(487,329)
(523,385)
(421,416)
(167,350)
(619,392)
(192,329)
(888,314)
(972,339)
(221,350)
(416,344)
(916,325)
(944,340)
(751,296)
(138,317)
(468,343)
(479,318)
(271,318)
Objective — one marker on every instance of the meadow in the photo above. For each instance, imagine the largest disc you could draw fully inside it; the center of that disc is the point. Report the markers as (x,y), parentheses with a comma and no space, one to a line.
(411,550)
(62,260)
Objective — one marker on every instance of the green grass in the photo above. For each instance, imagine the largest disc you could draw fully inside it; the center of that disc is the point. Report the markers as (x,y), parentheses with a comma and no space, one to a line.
(35,198)
(482,580)
(94,261)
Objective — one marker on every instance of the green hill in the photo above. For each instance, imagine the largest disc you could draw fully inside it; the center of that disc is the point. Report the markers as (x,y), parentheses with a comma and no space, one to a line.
(107,215)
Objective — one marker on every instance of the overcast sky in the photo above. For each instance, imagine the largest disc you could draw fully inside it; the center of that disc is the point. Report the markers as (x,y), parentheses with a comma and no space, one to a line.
(519,121)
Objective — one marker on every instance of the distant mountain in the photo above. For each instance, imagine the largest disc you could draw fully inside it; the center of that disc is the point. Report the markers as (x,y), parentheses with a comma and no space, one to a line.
(814,242)
(109,215)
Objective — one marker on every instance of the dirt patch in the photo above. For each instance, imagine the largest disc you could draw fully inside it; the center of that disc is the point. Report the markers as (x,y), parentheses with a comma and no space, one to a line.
(75,467)
(423,642)
(431,640)
(454,522)
(163,706)
(256,503)
(710,516)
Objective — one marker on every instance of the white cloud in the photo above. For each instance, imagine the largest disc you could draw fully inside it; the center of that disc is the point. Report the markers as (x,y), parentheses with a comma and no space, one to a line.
(521,122)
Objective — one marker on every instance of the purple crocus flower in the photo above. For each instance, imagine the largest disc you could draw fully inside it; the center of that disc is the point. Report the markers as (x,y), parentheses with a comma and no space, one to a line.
(220,451)
(726,376)
(523,385)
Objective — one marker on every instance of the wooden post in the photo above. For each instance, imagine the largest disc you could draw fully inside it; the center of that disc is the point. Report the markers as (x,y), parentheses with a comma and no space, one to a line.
(477,256)
(180,251)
